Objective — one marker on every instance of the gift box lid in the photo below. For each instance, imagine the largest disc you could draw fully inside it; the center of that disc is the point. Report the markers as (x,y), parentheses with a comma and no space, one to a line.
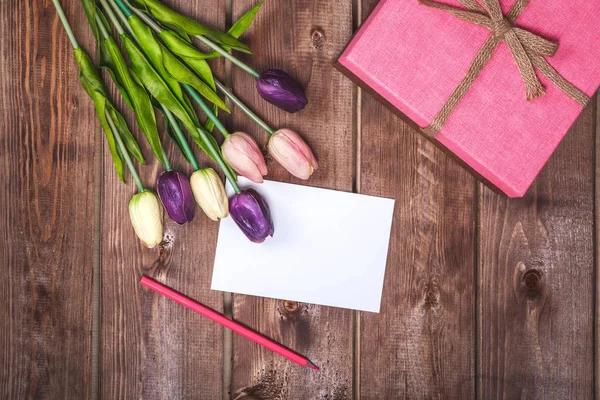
(415,56)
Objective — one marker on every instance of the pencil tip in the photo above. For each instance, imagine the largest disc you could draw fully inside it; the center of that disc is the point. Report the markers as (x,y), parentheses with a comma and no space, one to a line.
(313,366)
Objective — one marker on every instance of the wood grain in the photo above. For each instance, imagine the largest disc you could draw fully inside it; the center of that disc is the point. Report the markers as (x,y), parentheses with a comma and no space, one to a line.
(536,280)
(422,343)
(303,38)
(484,296)
(47,207)
(152,347)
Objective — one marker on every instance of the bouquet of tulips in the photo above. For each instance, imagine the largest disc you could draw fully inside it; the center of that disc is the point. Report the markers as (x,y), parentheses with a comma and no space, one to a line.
(166,72)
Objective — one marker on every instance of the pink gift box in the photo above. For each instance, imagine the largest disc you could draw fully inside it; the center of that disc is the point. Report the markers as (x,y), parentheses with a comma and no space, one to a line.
(415,56)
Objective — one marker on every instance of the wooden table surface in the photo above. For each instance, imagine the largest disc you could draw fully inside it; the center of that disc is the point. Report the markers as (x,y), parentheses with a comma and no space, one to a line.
(483,297)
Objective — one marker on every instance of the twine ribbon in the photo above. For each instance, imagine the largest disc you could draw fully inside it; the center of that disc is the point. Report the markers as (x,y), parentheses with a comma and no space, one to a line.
(528,50)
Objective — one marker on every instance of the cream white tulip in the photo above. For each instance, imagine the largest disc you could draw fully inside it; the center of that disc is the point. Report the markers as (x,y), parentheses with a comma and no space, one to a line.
(210,193)
(146,215)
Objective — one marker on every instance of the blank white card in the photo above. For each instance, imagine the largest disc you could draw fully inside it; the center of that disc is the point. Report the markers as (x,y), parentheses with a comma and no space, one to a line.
(329,248)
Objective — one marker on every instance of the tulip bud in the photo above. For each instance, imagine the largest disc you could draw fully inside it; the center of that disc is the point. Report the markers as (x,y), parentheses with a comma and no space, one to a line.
(242,153)
(280,89)
(210,193)
(251,213)
(289,150)
(146,217)
(176,195)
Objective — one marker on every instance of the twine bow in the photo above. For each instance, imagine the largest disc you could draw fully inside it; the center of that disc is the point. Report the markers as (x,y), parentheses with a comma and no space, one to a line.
(528,50)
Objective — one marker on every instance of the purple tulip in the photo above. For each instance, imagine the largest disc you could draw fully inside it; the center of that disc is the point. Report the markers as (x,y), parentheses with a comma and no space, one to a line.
(176,195)
(280,89)
(251,213)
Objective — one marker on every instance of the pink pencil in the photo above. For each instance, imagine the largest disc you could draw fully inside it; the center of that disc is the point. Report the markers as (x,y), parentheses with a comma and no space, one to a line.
(226,322)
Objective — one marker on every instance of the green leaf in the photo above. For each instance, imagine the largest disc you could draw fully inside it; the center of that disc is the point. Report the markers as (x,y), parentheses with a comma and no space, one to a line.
(240,26)
(112,60)
(155,84)
(198,140)
(182,34)
(152,50)
(171,132)
(193,57)
(90,8)
(170,17)
(106,61)
(139,100)
(126,135)
(100,104)
(203,70)
(183,75)
(111,66)
(94,86)
(244,22)
(209,125)
(169,66)
(158,88)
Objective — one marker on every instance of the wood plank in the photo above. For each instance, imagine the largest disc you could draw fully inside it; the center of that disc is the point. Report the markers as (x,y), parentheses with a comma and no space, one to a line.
(597,253)
(536,280)
(47,197)
(303,38)
(152,347)
(422,344)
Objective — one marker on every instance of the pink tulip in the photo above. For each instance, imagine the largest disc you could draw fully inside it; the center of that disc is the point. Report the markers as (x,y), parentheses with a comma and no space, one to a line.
(289,150)
(243,155)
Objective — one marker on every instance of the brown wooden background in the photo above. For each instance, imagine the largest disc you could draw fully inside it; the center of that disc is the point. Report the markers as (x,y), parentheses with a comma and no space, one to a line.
(484,296)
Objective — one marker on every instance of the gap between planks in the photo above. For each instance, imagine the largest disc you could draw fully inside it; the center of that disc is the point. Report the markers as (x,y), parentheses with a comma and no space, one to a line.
(95,358)
(356,188)
(477,314)
(596,232)
(356,314)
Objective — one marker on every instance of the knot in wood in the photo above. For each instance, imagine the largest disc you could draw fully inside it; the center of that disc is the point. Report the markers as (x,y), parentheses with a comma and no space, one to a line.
(317,37)
(290,306)
(532,282)
(164,246)
(432,295)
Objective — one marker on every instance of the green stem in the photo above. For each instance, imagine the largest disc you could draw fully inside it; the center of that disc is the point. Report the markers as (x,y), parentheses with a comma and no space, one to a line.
(102,28)
(126,10)
(192,92)
(244,108)
(113,18)
(165,161)
(122,17)
(227,55)
(189,154)
(66,25)
(217,156)
(124,152)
